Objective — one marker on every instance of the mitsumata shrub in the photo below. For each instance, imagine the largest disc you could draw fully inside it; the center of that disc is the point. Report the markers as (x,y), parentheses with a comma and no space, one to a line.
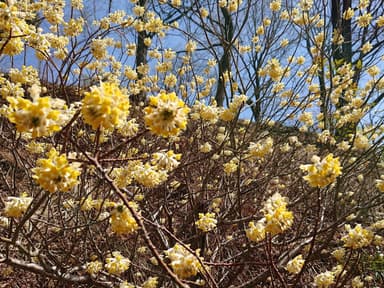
(160,143)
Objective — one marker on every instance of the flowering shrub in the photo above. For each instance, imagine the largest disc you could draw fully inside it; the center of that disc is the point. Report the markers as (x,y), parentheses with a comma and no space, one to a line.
(199,144)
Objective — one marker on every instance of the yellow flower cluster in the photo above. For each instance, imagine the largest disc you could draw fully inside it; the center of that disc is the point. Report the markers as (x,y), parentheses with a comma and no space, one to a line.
(294,266)
(231,5)
(275,5)
(94,267)
(117,264)
(380,183)
(166,160)
(209,113)
(276,219)
(28,75)
(99,47)
(55,173)
(273,69)
(233,109)
(325,279)
(14,27)
(166,114)
(231,166)
(256,232)
(357,237)
(16,206)
(183,263)
(206,222)
(122,221)
(105,106)
(261,148)
(322,173)
(41,117)
(128,128)
(148,175)
(9,88)
(151,282)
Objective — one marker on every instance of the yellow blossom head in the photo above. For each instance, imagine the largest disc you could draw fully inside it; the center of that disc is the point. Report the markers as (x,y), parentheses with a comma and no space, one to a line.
(184,264)
(206,222)
(322,173)
(105,106)
(117,263)
(122,221)
(166,114)
(16,206)
(357,237)
(55,173)
(39,117)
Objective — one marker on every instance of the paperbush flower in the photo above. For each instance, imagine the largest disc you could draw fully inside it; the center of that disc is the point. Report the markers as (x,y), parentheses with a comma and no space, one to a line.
(294,266)
(105,106)
(151,282)
(206,222)
(261,148)
(55,173)
(16,206)
(166,160)
(117,264)
(122,221)
(256,232)
(166,115)
(380,183)
(38,117)
(277,217)
(324,280)
(183,263)
(94,267)
(322,173)
(209,113)
(339,254)
(148,175)
(357,237)
(123,175)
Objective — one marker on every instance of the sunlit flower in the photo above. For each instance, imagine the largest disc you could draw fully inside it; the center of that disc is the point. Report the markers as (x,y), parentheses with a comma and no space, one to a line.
(325,279)
(275,5)
(41,117)
(256,232)
(205,148)
(261,148)
(166,160)
(122,221)
(94,267)
(117,264)
(364,20)
(322,173)
(361,142)
(148,175)
(294,266)
(183,263)
(206,222)
(230,167)
(339,254)
(105,106)
(380,183)
(277,217)
(166,114)
(357,283)
(357,237)
(55,173)
(16,206)
(151,282)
